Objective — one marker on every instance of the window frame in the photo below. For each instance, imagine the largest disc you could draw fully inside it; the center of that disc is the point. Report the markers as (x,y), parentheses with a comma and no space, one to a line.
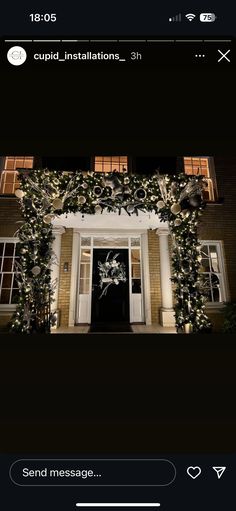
(222,273)
(110,156)
(14,172)
(8,306)
(212,175)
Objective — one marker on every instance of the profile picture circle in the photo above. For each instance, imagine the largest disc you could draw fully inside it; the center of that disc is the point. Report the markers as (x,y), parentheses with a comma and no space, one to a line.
(16,55)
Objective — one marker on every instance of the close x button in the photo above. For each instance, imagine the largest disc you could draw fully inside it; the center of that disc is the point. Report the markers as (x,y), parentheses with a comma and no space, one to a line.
(224,55)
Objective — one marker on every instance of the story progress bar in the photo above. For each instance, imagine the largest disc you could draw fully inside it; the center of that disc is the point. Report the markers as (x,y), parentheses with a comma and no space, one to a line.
(118,40)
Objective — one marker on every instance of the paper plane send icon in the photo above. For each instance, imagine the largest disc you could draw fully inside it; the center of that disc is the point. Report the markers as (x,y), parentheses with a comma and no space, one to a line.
(219,471)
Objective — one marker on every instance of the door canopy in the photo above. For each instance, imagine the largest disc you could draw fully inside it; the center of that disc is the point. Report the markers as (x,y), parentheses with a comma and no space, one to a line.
(46,194)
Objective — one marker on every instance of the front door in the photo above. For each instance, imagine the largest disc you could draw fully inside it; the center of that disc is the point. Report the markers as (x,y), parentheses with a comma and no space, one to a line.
(110,286)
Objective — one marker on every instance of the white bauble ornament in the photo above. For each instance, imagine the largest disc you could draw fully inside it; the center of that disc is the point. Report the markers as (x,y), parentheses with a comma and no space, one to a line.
(36,270)
(175,208)
(160,204)
(98,208)
(57,203)
(84,185)
(130,208)
(19,193)
(81,199)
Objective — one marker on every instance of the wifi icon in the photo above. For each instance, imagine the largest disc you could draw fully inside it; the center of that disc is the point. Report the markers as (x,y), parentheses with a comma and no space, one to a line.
(190,17)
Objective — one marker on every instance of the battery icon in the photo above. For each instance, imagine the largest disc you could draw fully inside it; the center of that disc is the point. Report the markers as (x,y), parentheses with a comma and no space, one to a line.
(207,17)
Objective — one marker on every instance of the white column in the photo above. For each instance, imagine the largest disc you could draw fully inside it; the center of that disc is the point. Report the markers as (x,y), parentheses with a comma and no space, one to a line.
(55,267)
(74,276)
(167,311)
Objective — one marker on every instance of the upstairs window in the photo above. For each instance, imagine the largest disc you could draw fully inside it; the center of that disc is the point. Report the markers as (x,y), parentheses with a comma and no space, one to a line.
(111,163)
(9,175)
(204,166)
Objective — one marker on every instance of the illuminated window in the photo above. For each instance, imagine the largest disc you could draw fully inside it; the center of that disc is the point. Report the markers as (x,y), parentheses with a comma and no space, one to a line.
(9,175)
(85,265)
(202,166)
(111,163)
(8,285)
(212,271)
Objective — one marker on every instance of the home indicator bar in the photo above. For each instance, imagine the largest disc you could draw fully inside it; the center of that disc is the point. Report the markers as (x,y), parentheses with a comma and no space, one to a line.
(117,504)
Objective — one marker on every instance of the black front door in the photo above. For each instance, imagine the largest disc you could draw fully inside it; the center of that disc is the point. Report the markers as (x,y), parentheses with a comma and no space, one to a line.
(110,286)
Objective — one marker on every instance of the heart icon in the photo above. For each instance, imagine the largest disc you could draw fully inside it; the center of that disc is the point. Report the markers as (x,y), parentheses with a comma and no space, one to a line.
(193,472)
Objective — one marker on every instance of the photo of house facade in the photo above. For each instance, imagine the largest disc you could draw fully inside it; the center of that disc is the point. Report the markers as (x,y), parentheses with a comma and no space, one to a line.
(135,249)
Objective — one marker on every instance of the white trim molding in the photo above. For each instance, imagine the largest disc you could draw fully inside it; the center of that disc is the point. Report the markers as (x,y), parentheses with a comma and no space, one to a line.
(55,266)
(74,276)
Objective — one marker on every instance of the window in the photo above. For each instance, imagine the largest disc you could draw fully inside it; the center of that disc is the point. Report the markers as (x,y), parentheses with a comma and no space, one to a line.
(9,175)
(8,284)
(212,271)
(202,166)
(84,281)
(135,270)
(111,163)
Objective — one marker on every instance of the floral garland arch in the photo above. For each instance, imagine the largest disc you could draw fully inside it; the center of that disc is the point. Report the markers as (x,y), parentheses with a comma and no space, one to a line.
(45,194)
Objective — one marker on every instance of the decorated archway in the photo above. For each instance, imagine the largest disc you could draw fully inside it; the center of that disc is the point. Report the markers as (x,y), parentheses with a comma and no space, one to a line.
(45,194)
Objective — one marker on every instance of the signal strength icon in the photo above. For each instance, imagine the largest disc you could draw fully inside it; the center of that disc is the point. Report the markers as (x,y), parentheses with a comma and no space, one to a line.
(190,17)
(176,18)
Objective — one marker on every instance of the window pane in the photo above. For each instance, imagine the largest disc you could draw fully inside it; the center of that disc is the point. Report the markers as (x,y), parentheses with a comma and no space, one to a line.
(15,283)
(135,242)
(85,256)
(215,285)
(136,271)
(7,280)
(86,242)
(8,189)
(5,296)
(214,258)
(10,164)
(84,286)
(9,249)
(135,255)
(7,264)
(110,242)
(136,286)
(1,248)
(15,295)
(85,271)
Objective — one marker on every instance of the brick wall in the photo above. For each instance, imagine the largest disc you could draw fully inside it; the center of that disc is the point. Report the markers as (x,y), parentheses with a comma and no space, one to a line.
(65,277)
(154,268)
(218,220)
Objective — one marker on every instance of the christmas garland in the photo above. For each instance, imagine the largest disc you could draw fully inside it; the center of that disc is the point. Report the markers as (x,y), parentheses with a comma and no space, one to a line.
(45,194)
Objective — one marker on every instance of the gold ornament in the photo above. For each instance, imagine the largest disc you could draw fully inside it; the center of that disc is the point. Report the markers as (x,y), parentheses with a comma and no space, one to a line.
(57,203)
(160,204)
(36,270)
(48,218)
(175,208)
(81,199)
(177,222)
